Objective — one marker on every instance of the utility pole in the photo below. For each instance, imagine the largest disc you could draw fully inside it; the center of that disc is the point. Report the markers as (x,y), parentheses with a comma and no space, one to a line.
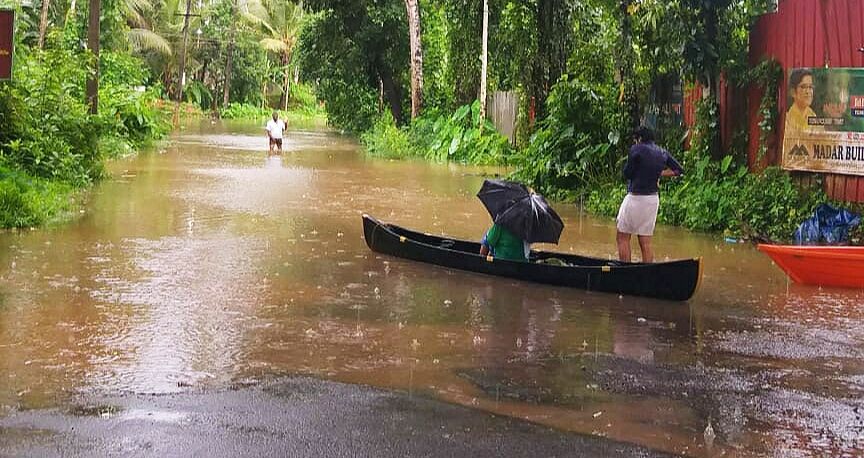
(93,44)
(229,62)
(182,58)
(484,58)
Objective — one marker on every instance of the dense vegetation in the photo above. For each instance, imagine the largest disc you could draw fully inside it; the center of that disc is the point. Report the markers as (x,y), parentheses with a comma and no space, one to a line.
(588,71)
(406,76)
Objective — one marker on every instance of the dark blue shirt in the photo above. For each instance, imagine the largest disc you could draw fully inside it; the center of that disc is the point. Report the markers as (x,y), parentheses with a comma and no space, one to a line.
(645,163)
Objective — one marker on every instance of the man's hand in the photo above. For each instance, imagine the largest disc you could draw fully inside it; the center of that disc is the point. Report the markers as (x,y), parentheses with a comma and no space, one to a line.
(669,173)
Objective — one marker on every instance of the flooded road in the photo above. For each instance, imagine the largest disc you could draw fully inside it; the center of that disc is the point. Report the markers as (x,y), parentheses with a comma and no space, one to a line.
(205,263)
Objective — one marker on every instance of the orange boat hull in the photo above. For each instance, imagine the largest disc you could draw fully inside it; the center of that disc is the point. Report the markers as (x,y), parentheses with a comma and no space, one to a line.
(820,265)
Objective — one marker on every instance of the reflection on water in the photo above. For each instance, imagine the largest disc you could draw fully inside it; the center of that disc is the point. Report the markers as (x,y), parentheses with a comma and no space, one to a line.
(208,262)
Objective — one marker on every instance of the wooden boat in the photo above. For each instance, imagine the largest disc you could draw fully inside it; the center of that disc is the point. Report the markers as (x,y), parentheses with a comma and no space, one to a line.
(675,280)
(820,265)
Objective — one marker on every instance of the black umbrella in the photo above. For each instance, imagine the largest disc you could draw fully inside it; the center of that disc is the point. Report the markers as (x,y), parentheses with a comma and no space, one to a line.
(499,195)
(521,211)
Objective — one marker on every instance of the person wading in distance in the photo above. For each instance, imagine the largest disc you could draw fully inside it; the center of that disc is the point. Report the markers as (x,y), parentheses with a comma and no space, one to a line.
(274,128)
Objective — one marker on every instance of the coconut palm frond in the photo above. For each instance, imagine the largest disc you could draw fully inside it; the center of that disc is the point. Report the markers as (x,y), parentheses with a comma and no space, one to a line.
(273,45)
(147,40)
(257,15)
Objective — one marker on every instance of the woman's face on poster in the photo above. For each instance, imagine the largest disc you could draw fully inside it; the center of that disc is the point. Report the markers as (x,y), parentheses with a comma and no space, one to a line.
(803,93)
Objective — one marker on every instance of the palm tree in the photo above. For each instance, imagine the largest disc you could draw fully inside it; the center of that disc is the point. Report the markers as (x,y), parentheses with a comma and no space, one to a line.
(149,25)
(279,21)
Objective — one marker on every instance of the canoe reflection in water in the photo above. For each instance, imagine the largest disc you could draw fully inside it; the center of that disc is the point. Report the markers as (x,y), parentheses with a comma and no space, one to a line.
(526,338)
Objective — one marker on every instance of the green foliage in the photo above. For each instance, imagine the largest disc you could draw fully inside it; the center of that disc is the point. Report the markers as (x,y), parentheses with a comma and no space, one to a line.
(26,201)
(461,137)
(733,201)
(385,140)
(50,144)
(353,50)
(458,137)
(464,20)
(295,115)
(127,106)
(572,149)
(50,133)
(767,75)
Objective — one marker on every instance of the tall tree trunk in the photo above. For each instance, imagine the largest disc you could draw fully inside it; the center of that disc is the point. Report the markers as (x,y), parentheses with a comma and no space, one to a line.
(554,37)
(413,9)
(93,44)
(229,62)
(43,22)
(286,80)
(484,58)
(391,93)
(626,65)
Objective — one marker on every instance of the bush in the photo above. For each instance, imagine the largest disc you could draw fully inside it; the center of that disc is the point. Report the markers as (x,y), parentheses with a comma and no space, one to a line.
(386,140)
(296,112)
(245,111)
(730,200)
(572,149)
(50,144)
(458,137)
(27,201)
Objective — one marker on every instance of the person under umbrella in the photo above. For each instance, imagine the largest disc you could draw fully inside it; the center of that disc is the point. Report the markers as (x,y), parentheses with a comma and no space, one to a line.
(520,217)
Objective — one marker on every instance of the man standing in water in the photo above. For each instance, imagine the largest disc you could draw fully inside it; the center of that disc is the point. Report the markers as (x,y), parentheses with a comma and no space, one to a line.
(646,163)
(275,127)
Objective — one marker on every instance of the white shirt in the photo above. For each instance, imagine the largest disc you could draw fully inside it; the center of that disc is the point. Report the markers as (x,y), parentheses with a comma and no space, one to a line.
(275,128)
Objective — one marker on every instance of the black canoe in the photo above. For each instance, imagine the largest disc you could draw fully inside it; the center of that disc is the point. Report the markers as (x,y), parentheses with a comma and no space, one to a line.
(674,280)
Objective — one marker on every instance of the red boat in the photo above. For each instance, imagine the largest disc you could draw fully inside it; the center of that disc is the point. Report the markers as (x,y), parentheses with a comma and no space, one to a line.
(820,265)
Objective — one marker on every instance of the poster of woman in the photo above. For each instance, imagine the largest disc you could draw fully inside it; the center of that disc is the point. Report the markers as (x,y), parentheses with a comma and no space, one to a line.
(824,126)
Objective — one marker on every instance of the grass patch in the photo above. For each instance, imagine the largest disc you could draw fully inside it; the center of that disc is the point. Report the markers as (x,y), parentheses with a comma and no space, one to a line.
(27,201)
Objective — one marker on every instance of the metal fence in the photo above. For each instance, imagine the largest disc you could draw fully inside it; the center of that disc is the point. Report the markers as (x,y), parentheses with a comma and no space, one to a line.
(502,110)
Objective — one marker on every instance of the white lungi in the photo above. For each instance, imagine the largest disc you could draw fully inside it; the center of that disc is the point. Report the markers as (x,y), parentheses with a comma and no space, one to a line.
(638,214)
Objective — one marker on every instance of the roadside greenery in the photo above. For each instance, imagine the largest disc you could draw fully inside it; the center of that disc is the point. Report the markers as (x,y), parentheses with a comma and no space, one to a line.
(303,108)
(50,146)
(460,137)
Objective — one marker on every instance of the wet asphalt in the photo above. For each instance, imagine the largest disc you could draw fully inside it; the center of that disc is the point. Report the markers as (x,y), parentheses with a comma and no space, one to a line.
(289,416)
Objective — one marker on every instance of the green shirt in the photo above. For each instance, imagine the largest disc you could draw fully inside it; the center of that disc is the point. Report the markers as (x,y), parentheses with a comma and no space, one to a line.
(505,245)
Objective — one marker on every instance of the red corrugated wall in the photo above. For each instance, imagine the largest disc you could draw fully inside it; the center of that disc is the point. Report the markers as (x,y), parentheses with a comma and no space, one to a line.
(806,33)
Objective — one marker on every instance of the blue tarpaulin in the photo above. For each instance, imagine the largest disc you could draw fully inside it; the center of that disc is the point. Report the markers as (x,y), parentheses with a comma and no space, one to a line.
(828,225)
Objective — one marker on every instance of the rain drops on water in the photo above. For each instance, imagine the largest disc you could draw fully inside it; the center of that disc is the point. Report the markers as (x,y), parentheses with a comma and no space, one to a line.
(518,342)
(415,344)
(448,303)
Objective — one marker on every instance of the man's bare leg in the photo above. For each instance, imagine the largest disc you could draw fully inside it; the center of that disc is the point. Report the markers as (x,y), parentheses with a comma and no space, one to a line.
(645,246)
(623,246)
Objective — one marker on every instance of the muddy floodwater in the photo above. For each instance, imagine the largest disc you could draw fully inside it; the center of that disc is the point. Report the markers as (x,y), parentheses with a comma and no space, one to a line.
(205,263)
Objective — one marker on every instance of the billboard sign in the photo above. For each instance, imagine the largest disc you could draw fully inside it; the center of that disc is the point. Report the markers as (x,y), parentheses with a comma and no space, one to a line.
(824,129)
(7,43)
